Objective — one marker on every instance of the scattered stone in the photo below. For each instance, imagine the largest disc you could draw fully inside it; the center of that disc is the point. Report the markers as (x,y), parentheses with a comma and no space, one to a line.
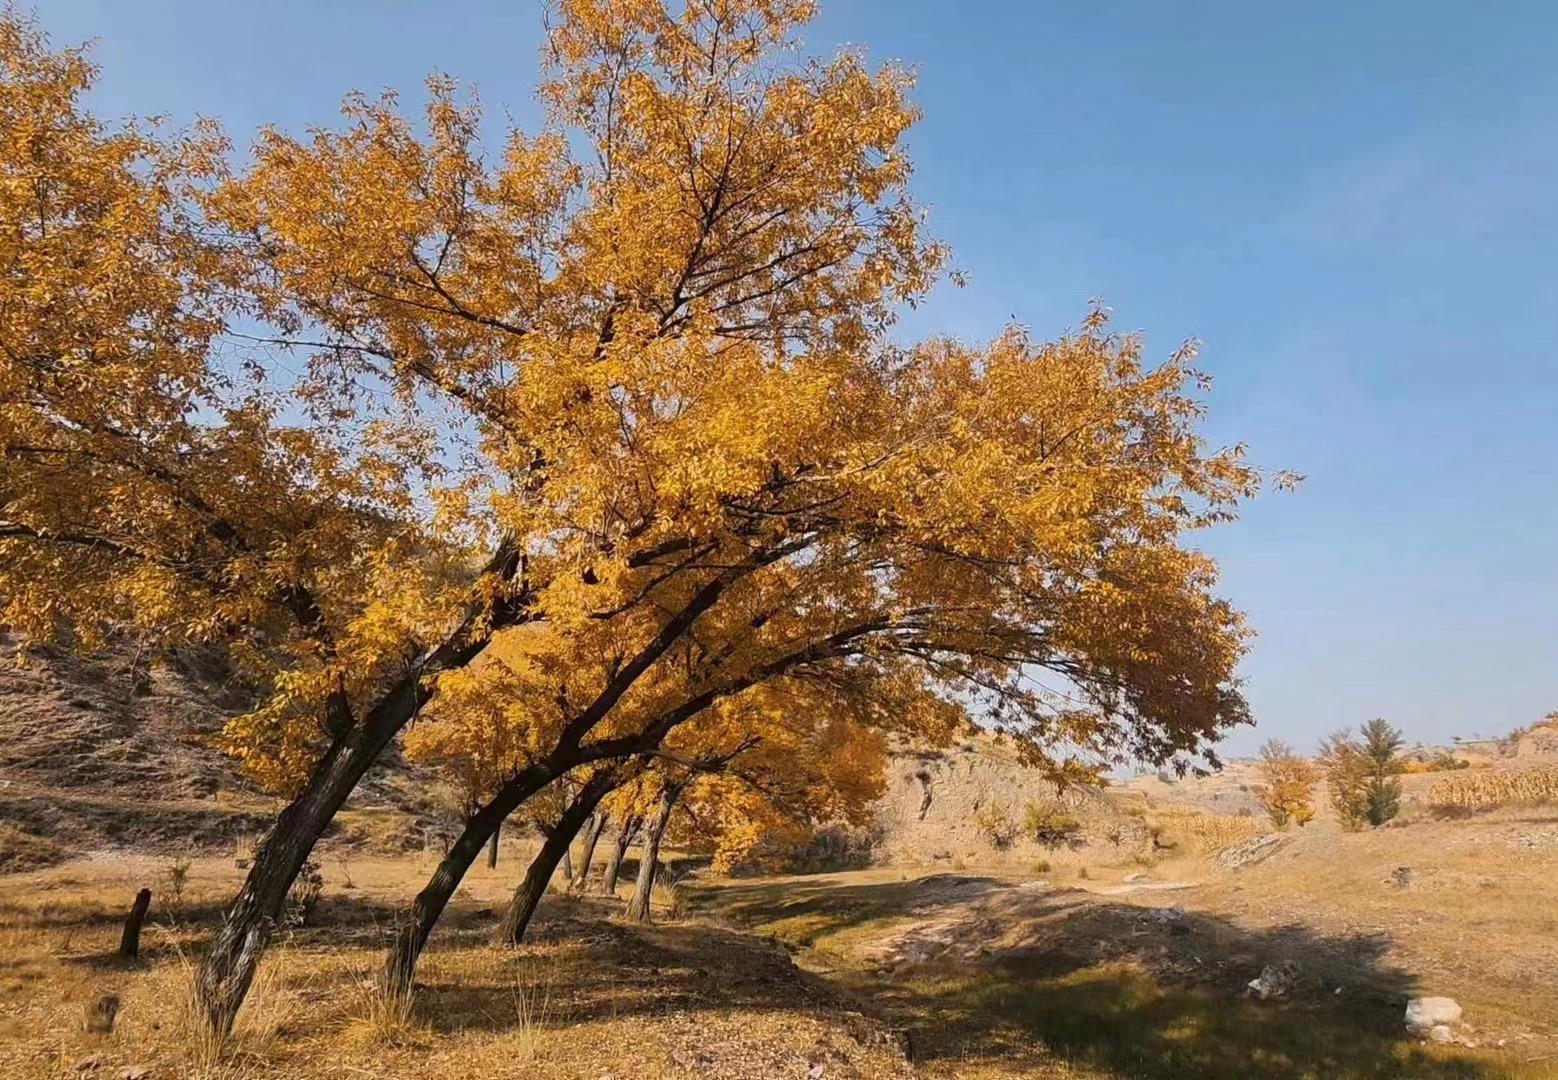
(1534,839)
(1164,915)
(136,1072)
(1252,851)
(1132,879)
(87,1064)
(1426,1013)
(1275,980)
(1441,1033)
(241,864)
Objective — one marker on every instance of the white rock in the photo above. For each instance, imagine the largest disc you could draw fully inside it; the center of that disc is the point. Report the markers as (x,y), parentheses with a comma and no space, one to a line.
(1426,1013)
(1275,980)
(1440,1033)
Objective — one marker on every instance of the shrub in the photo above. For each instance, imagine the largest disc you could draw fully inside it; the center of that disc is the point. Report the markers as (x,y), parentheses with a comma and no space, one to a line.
(1286,792)
(996,825)
(1052,825)
(175,876)
(1042,866)
(1489,790)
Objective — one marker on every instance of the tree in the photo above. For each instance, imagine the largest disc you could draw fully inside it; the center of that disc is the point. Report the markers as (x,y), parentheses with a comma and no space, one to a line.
(786,770)
(623,398)
(671,790)
(1286,791)
(150,488)
(1363,774)
(1382,751)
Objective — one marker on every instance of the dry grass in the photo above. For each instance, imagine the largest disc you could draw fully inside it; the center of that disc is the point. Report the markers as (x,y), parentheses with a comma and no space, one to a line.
(588,995)
(1076,982)
(21,850)
(1080,979)
(1186,830)
(1480,791)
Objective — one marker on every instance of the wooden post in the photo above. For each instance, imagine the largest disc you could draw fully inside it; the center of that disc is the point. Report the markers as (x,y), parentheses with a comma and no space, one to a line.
(130,942)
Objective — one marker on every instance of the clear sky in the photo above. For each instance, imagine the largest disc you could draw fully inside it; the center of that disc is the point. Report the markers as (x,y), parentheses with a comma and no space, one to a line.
(1355,207)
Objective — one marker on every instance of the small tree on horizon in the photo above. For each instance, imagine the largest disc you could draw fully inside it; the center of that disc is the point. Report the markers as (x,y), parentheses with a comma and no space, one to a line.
(1287,791)
(1363,774)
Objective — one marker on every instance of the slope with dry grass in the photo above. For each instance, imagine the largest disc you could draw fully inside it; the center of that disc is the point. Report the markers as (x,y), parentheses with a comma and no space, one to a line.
(587,995)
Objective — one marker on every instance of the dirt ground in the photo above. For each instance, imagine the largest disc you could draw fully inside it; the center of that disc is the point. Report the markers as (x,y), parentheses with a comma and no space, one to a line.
(879,973)
(1120,973)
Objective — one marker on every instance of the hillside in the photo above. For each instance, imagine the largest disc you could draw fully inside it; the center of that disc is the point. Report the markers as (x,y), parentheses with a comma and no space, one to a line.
(113,751)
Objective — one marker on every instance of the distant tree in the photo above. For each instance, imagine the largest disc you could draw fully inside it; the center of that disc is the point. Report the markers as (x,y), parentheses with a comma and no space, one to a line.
(1363,772)
(1286,792)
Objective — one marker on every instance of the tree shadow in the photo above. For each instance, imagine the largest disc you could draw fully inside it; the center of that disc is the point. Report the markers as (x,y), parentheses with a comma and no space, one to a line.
(588,965)
(981,971)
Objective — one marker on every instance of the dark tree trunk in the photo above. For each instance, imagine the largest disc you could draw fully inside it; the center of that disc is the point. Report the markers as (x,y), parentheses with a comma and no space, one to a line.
(592,833)
(130,940)
(234,955)
(638,904)
(492,847)
(230,963)
(528,896)
(626,831)
(412,932)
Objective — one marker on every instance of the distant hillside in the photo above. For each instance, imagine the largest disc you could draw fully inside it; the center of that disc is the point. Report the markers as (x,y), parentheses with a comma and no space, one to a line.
(971,805)
(113,751)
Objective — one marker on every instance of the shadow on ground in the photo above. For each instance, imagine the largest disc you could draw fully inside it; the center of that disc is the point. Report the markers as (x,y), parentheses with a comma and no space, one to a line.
(1124,990)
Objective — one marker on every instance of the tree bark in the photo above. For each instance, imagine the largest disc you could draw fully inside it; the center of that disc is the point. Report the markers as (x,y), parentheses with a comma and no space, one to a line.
(234,955)
(592,833)
(626,831)
(412,932)
(528,896)
(648,867)
(130,940)
(492,847)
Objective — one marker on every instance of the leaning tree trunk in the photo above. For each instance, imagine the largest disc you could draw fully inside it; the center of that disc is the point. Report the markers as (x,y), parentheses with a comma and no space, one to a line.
(528,896)
(229,964)
(587,856)
(413,929)
(638,904)
(626,831)
(492,847)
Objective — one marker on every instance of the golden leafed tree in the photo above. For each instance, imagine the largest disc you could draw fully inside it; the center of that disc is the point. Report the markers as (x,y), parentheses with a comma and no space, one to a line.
(1287,786)
(617,398)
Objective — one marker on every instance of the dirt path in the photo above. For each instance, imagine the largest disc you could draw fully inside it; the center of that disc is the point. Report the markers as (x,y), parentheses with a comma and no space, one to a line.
(998,978)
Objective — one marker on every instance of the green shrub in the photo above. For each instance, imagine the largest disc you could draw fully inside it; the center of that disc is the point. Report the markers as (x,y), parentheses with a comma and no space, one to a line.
(1052,825)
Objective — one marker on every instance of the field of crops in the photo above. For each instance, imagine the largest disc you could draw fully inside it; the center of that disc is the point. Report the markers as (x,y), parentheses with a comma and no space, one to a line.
(1472,791)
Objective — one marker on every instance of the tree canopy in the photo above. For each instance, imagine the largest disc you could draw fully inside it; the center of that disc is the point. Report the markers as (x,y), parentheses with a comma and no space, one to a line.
(616,408)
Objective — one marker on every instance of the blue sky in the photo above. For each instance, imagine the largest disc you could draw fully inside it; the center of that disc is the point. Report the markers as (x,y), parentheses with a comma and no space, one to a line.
(1354,206)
